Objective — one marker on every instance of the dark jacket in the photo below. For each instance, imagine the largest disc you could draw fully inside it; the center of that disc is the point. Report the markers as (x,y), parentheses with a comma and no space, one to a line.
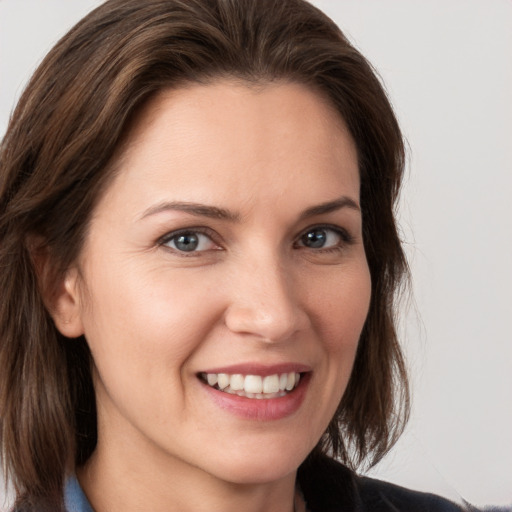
(328,486)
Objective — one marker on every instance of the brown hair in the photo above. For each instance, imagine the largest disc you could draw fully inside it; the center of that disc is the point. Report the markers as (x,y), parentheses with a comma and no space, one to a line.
(54,163)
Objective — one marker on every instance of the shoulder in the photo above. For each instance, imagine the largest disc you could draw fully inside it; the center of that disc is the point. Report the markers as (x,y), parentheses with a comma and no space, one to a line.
(328,486)
(378,495)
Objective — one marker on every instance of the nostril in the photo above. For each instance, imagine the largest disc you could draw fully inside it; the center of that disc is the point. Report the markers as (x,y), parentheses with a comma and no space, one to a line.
(269,323)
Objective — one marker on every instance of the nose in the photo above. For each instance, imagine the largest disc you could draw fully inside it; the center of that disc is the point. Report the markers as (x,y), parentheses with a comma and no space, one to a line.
(265,302)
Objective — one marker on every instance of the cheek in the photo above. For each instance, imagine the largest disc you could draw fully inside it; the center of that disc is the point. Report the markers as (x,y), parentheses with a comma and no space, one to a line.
(141,333)
(143,319)
(341,314)
(341,308)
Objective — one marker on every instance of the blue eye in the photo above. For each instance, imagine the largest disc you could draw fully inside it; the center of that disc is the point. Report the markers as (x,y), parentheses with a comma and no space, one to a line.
(322,238)
(189,241)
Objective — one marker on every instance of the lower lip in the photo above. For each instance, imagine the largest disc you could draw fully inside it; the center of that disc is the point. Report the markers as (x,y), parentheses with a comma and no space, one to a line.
(264,409)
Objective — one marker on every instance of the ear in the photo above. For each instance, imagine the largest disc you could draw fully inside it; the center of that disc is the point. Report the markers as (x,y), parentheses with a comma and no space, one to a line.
(66,307)
(61,294)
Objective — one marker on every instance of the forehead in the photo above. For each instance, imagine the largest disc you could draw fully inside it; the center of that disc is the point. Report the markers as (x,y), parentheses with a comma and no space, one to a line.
(241,140)
(238,99)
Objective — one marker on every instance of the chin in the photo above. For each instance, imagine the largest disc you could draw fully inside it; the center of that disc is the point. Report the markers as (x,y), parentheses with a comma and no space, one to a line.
(250,474)
(259,465)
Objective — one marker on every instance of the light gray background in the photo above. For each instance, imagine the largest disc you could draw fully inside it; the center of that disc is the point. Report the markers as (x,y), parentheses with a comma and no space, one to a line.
(447,65)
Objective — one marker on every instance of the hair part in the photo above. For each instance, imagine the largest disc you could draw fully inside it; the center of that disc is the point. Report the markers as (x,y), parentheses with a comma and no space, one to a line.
(57,158)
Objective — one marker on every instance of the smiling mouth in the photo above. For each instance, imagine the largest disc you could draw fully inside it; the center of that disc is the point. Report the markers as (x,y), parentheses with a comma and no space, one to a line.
(253,386)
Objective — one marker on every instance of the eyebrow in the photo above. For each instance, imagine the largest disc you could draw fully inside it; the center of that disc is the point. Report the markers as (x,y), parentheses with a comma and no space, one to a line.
(331,206)
(214,212)
(200,210)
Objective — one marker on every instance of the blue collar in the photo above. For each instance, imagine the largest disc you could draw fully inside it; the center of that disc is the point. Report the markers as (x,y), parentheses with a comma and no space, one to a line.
(74,497)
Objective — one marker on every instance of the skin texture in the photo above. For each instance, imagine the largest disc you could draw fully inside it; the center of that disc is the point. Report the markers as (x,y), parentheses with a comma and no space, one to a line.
(253,292)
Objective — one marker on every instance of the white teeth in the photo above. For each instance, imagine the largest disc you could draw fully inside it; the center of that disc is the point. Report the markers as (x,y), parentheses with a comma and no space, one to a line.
(223,380)
(254,386)
(236,382)
(283,379)
(271,384)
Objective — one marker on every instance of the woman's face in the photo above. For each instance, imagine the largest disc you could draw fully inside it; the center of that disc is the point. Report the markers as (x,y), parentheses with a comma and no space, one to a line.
(227,253)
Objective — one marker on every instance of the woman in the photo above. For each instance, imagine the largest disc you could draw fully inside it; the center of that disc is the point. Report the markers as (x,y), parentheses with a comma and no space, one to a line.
(199,265)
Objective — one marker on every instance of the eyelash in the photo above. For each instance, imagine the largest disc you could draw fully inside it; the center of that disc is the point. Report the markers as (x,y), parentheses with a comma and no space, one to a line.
(187,231)
(345,236)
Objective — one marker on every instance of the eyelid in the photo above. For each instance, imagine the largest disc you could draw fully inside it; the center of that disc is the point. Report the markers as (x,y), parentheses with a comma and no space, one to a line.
(342,232)
(202,230)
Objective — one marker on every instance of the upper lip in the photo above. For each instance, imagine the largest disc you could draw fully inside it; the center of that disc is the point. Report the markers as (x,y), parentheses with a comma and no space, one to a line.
(260,369)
